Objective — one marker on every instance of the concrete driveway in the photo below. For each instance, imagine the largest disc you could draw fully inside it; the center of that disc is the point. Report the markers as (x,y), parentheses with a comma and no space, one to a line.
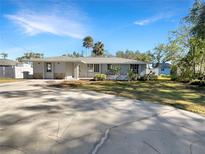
(38,119)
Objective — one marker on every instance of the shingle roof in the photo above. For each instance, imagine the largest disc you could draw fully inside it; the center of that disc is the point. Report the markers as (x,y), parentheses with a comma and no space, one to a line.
(91,60)
(110,60)
(56,59)
(7,62)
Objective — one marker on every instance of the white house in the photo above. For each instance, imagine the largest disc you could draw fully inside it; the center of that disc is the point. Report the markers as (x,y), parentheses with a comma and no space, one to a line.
(83,67)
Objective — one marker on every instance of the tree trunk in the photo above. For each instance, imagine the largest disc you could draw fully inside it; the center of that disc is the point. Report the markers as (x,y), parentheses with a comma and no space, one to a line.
(201,66)
(194,61)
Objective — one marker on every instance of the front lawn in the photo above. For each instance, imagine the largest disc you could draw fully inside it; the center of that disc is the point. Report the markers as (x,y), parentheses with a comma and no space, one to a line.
(179,95)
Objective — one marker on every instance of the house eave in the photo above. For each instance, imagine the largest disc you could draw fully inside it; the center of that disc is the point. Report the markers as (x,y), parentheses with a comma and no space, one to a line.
(89,60)
(52,60)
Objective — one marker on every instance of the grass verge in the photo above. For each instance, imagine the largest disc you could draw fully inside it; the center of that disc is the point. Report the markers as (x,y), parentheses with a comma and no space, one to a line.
(6,80)
(179,95)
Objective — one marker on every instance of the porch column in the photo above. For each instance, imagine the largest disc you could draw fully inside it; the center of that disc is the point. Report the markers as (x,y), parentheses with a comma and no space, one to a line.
(4,71)
(76,71)
(52,69)
(139,69)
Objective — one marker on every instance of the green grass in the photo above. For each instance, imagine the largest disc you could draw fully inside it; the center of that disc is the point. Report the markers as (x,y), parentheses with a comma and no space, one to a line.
(164,78)
(179,95)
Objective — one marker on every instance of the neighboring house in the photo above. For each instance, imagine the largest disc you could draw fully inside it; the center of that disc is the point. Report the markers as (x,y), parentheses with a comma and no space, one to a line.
(13,69)
(165,68)
(7,68)
(83,67)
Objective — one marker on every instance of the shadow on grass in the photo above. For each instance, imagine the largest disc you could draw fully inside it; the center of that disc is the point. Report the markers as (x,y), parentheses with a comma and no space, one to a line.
(179,95)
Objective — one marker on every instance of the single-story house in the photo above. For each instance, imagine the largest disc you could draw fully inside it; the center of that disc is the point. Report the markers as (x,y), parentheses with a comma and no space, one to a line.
(83,67)
(7,68)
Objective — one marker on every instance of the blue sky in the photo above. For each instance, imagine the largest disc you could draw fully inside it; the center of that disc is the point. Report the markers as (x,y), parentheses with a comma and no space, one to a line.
(57,27)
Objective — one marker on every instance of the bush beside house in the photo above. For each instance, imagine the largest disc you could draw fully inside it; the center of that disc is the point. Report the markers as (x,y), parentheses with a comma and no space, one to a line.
(59,75)
(100,77)
(149,77)
(132,76)
(37,75)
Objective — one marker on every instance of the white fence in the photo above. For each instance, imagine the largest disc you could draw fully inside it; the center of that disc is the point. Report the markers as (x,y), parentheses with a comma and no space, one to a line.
(20,71)
(156,71)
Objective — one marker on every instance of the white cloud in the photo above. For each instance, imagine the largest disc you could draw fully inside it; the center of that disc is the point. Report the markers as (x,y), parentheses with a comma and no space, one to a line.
(152,19)
(35,23)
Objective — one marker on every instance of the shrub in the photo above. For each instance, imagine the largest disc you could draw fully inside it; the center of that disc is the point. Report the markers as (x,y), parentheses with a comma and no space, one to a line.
(114,71)
(153,77)
(149,77)
(198,82)
(38,75)
(59,75)
(100,77)
(132,76)
(201,77)
(182,79)
(173,77)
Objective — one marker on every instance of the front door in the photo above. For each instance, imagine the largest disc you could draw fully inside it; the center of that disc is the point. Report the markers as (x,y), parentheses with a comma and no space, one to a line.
(48,70)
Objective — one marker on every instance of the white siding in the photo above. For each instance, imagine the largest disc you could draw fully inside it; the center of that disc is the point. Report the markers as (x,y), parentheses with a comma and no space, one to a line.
(38,67)
(104,68)
(83,70)
(142,69)
(124,69)
(59,67)
(76,70)
(69,69)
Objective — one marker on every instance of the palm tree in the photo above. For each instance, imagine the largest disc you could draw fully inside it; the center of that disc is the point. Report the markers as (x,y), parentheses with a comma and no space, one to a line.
(88,42)
(4,55)
(98,49)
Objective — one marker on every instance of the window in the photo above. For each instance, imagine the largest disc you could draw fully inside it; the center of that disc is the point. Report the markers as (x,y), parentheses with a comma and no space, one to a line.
(134,67)
(109,66)
(90,67)
(96,67)
(48,67)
